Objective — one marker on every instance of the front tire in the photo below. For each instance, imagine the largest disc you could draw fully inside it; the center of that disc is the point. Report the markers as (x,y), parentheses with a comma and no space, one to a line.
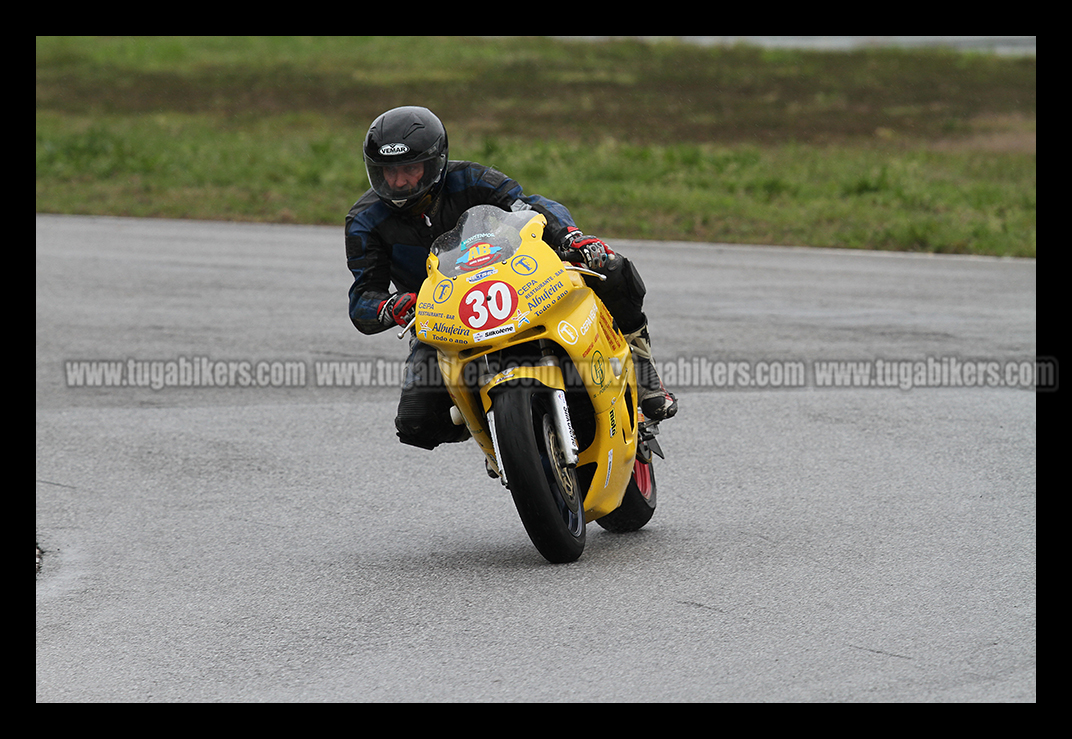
(545,491)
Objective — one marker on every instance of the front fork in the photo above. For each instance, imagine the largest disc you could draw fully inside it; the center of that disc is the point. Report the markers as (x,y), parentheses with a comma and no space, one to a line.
(561,414)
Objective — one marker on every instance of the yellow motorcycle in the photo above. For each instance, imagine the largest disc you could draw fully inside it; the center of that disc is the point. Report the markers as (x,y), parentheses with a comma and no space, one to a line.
(541,376)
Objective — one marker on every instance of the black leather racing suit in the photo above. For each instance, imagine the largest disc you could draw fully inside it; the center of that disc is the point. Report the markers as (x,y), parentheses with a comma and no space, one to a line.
(384,246)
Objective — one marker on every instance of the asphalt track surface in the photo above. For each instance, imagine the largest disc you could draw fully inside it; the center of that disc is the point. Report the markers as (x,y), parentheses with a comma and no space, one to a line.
(256,544)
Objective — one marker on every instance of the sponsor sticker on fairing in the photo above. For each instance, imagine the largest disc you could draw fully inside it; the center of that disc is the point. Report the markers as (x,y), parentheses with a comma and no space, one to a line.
(479,336)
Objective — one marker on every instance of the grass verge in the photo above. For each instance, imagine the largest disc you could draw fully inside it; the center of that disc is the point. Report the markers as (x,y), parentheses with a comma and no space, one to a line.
(922,150)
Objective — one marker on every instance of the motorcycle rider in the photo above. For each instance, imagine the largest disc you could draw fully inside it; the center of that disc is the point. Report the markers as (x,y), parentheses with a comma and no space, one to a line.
(416,194)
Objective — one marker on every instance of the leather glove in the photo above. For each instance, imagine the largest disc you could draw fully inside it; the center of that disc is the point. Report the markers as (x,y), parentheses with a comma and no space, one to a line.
(398,309)
(591,250)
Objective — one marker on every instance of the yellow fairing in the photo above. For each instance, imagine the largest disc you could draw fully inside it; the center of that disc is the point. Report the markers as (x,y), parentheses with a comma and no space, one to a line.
(530,296)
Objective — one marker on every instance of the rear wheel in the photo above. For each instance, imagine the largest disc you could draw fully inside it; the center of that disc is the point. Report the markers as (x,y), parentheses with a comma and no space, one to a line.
(545,491)
(638,504)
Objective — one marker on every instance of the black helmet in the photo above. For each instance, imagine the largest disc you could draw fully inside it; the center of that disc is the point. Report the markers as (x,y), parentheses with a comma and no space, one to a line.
(399,138)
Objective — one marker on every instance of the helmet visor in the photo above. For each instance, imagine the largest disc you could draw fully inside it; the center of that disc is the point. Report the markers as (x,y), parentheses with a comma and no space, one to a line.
(404,181)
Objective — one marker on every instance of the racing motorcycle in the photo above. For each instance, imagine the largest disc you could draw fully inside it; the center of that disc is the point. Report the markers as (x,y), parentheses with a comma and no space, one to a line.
(541,376)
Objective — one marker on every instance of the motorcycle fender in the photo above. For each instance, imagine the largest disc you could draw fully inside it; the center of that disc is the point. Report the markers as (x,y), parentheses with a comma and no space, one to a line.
(547,376)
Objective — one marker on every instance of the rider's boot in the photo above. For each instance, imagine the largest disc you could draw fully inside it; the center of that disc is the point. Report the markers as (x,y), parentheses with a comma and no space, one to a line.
(656,401)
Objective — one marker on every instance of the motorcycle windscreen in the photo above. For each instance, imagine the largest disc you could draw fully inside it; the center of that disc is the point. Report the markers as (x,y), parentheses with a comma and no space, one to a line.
(484,235)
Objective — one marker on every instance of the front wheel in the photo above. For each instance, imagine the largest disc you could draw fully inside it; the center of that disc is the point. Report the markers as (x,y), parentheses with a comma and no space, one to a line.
(638,504)
(545,491)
